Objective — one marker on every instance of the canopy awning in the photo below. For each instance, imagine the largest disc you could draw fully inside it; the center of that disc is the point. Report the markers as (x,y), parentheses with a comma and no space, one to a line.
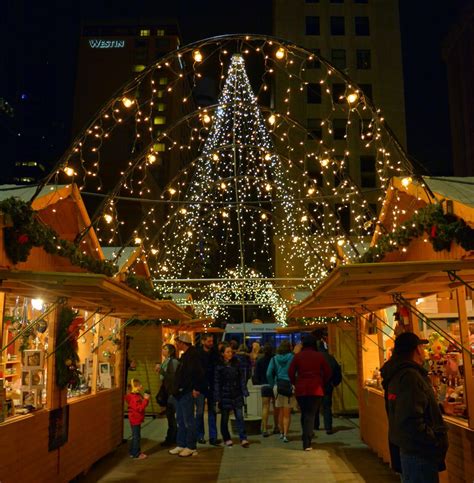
(89,292)
(367,287)
(197,325)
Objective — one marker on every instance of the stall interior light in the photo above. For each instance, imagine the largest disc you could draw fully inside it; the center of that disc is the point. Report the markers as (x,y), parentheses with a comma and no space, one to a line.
(37,304)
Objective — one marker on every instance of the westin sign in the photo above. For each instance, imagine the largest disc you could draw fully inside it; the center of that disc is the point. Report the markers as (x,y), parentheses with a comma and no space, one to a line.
(107,44)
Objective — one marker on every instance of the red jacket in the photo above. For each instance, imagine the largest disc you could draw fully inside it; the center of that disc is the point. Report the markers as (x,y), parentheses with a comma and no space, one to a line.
(136,408)
(309,372)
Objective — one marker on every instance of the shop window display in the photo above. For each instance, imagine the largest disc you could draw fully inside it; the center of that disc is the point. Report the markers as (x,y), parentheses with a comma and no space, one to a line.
(23,367)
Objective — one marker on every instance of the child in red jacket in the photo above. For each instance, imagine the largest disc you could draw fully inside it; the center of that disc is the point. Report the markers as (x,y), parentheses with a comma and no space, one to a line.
(136,414)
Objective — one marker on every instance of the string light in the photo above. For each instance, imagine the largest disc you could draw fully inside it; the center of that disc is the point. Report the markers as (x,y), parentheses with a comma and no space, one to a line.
(197,56)
(127,102)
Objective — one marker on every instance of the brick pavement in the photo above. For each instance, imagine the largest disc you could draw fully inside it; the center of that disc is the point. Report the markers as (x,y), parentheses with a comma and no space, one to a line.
(340,457)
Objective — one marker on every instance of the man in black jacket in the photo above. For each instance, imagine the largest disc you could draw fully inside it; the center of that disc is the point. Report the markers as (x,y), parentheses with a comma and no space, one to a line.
(188,385)
(417,433)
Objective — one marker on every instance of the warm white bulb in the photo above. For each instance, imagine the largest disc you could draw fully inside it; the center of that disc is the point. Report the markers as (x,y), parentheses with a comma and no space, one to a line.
(151,158)
(215,157)
(406,181)
(108,218)
(138,241)
(263,216)
(206,119)
(352,97)
(172,191)
(69,171)
(268,157)
(280,53)
(268,187)
(272,119)
(324,162)
(183,211)
(333,259)
(154,251)
(341,242)
(311,191)
(223,186)
(127,102)
(304,218)
(197,56)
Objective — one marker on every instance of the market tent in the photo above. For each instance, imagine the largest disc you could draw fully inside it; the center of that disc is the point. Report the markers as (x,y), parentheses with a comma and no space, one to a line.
(89,292)
(371,286)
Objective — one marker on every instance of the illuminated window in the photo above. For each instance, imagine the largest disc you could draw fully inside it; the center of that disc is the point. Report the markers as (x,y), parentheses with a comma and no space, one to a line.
(160,33)
(163,81)
(144,32)
(160,107)
(138,68)
(159,147)
(160,94)
(158,120)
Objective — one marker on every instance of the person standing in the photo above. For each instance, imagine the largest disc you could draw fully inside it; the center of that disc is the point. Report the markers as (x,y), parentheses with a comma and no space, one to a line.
(167,371)
(309,373)
(416,431)
(260,379)
(209,357)
(277,376)
(189,383)
(230,389)
(336,379)
(137,404)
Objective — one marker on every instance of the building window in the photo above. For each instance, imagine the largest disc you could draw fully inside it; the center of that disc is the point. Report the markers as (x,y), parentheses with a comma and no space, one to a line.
(362,26)
(138,67)
(160,94)
(337,26)
(363,59)
(361,1)
(343,212)
(312,25)
(314,172)
(314,63)
(336,1)
(163,81)
(158,120)
(367,172)
(338,58)
(339,127)
(315,130)
(159,147)
(313,93)
(160,106)
(338,93)
(160,33)
(311,1)
(144,32)
(367,90)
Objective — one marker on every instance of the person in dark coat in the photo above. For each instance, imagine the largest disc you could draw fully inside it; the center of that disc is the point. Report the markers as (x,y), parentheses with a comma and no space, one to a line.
(209,358)
(266,390)
(416,431)
(230,390)
(309,373)
(189,382)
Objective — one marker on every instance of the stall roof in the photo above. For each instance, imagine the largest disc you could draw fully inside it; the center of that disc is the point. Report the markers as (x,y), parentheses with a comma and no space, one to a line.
(198,325)
(371,286)
(89,292)
(453,188)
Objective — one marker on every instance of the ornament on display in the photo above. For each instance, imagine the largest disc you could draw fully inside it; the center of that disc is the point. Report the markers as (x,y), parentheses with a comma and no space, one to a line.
(42,326)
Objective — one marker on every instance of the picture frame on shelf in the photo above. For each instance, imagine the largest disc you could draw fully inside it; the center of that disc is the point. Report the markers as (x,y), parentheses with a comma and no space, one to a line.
(33,359)
(37,378)
(105,375)
(26,379)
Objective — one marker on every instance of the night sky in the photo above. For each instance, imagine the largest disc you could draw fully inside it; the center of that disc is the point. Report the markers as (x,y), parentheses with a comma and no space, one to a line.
(38,49)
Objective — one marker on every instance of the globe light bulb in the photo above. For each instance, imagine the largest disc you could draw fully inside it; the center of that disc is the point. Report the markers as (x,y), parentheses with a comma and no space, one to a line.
(127,102)
(268,157)
(406,181)
(215,157)
(154,251)
(138,240)
(324,162)
(108,218)
(280,53)
(352,98)
(69,171)
(206,119)
(172,191)
(37,304)
(151,158)
(311,191)
(341,242)
(271,119)
(263,216)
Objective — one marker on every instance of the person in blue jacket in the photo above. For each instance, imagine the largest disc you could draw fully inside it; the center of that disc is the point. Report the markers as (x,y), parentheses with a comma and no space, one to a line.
(277,375)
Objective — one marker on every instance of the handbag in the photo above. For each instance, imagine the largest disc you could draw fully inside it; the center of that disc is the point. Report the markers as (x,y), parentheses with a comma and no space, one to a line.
(162,396)
(284,388)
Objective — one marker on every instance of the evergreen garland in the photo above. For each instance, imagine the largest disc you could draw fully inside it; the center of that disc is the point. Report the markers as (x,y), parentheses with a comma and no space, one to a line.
(442,229)
(28,232)
(67,359)
(142,285)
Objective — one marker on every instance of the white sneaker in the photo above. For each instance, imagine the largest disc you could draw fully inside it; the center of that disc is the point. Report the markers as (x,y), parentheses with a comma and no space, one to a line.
(176,450)
(188,452)
(308,449)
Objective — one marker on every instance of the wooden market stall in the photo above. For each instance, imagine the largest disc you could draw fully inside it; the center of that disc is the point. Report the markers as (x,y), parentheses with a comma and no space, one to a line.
(375,294)
(49,432)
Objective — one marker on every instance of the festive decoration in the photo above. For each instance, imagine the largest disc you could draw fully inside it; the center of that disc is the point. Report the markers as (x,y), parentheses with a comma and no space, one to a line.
(67,359)
(28,232)
(440,230)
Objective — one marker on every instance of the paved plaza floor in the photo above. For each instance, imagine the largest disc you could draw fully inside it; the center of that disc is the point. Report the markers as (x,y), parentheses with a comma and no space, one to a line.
(340,457)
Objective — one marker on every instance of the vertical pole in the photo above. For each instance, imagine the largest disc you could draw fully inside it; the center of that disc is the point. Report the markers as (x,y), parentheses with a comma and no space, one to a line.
(466,353)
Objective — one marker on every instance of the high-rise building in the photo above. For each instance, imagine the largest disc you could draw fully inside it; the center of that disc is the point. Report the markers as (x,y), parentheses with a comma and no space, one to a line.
(458,53)
(362,39)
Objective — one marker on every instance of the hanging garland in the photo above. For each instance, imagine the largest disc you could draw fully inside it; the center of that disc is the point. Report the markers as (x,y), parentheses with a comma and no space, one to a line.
(142,285)
(67,359)
(442,230)
(27,231)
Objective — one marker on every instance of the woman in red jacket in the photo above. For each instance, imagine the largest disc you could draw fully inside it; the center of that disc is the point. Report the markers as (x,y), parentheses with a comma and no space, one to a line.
(309,372)
(136,414)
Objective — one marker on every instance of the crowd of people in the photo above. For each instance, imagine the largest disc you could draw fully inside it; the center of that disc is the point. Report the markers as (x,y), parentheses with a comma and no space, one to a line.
(218,375)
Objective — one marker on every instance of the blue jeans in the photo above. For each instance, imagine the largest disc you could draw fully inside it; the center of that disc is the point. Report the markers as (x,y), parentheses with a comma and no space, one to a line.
(211,417)
(134,449)
(186,437)
(239,421)
(416,469)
